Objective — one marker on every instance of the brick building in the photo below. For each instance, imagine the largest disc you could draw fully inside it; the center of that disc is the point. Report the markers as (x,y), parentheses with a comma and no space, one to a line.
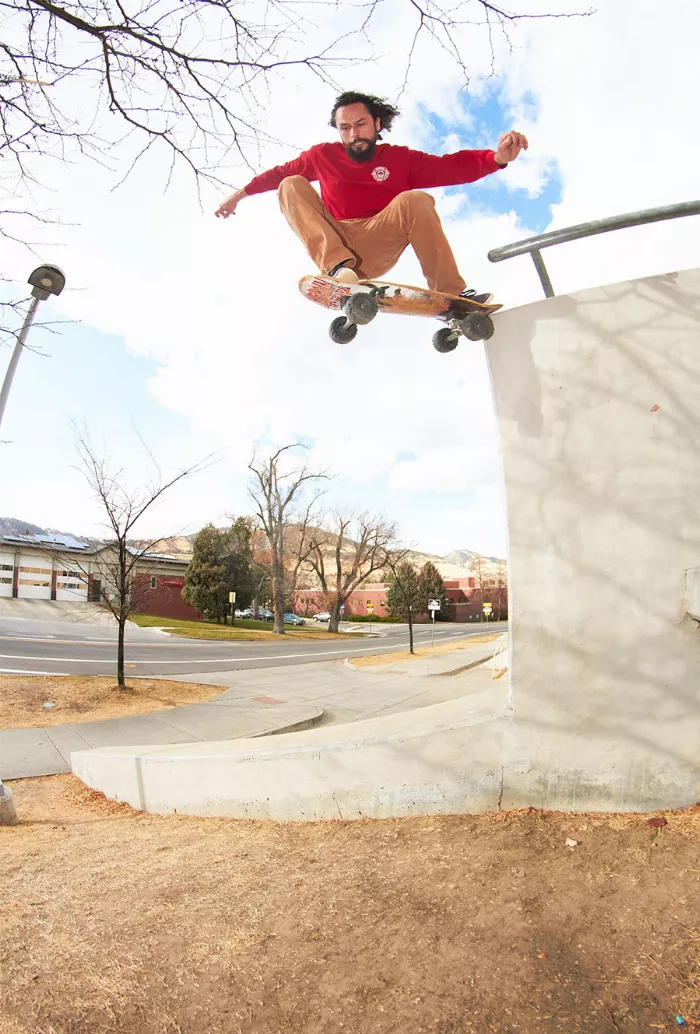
(62,568)
(464,600)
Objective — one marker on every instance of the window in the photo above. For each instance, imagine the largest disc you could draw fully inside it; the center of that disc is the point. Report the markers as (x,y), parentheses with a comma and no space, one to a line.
(36,570)
(30,581)
(5,581)
(6,567)
(154,582)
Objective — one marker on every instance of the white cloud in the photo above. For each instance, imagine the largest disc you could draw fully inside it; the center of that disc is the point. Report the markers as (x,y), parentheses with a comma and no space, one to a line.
(242,357)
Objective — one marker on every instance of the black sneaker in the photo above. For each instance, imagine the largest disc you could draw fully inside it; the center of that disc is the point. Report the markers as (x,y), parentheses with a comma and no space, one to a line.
(472,296)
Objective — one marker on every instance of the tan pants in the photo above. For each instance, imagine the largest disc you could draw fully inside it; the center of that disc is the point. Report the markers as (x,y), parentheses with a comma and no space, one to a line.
(372,246)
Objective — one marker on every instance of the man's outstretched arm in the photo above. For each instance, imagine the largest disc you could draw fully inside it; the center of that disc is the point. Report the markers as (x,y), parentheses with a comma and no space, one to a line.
(304,166)
(448,170)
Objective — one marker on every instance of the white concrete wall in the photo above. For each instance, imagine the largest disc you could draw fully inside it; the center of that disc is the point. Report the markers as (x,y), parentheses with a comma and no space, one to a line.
(598,403)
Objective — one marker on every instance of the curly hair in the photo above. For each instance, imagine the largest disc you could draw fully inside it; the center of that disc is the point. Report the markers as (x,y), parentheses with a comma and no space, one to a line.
(378,107)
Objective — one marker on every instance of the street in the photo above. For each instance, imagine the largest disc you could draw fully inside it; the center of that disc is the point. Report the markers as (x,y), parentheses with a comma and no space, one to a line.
(33,647)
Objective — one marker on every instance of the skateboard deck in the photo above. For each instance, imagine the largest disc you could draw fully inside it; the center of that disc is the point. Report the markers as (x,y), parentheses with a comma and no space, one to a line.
(363,300)
(398,298)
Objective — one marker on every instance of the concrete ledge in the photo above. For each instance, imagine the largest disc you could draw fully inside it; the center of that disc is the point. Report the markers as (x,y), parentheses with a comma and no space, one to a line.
(442,758)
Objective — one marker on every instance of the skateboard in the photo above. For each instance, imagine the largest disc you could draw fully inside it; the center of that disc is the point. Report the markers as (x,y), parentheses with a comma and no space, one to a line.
(360,302)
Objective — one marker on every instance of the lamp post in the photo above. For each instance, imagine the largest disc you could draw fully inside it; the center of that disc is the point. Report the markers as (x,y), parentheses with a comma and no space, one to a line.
(45,281)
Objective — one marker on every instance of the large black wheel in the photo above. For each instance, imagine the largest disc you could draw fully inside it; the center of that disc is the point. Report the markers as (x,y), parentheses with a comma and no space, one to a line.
(477,326)
(445,340)
(340,332)
(361,308)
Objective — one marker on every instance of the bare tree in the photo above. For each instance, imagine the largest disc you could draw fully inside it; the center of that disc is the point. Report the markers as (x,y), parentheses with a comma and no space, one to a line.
(281,502)
(119,560)
(190,76)
(345,554)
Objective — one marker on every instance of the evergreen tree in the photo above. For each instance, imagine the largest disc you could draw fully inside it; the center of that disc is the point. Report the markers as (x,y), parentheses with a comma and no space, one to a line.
(221,563)
(238,562)
(205,576)
(403,597)
(432,587)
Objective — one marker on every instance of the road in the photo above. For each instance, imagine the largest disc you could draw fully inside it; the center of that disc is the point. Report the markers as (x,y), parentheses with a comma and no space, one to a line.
(65,648)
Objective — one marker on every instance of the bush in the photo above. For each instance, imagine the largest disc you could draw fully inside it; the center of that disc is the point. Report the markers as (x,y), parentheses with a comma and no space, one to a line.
(367,618)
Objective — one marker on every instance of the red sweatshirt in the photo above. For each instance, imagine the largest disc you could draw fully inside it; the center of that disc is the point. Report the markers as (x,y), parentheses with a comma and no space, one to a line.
(358,190)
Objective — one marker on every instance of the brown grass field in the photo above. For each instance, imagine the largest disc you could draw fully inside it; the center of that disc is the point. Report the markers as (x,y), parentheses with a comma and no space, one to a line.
(88,699)
(116,921)
(400,656)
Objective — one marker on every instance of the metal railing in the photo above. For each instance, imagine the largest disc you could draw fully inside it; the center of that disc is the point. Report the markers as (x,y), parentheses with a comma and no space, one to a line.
(533,245)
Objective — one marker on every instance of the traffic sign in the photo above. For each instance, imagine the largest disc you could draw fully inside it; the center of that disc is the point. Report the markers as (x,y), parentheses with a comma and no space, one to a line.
(232,597)
(433,604)
(487,608)
(370,608)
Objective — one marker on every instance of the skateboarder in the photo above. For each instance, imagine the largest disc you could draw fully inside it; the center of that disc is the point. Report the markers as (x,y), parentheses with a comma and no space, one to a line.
(370,208)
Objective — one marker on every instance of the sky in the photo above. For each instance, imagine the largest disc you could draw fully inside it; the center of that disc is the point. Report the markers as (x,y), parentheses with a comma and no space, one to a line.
(187,333)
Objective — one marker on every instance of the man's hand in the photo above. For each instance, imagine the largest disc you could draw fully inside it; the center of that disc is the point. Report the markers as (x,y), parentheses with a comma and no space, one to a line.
(509,147)
(229,206)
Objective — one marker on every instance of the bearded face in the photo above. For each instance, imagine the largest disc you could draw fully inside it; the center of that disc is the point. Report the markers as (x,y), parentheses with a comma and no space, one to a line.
(358,132)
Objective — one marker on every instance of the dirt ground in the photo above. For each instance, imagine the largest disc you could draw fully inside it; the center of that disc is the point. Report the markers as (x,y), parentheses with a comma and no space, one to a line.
(453,646)
(115,921)
(87,699)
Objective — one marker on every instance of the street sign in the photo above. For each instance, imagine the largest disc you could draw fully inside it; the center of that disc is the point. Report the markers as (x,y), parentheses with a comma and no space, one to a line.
(370,608)
(232,597)
(487,608)
(433,604)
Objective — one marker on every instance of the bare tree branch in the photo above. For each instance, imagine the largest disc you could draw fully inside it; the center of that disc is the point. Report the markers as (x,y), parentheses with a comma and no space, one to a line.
(276,496)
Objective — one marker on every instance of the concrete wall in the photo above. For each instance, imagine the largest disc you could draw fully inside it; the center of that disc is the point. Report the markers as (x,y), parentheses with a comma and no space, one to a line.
(598,402)
(439,759)
(597,396)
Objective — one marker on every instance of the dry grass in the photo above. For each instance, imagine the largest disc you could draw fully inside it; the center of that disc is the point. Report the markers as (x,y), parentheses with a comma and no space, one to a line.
(197,631)
(115,921)
(453,646)
(88,699)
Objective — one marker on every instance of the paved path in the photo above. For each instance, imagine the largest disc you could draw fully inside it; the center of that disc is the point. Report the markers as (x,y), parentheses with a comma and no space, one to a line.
(256,703)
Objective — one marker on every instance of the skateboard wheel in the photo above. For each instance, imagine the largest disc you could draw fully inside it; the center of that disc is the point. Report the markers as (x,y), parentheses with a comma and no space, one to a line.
(340,332)
(445,340)
(477,326)
(361,308)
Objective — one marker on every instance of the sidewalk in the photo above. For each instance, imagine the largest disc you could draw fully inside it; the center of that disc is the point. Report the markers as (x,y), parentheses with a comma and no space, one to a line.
(38,752)
(260,702)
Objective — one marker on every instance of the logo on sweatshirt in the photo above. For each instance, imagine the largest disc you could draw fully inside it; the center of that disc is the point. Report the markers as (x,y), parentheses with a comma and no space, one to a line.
(380,174)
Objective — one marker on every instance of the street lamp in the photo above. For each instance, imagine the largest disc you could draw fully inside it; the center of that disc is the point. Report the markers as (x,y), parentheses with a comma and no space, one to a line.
(45,281)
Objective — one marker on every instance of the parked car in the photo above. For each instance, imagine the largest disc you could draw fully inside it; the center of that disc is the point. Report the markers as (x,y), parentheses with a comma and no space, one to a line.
(322,616)
(265,615)
(247,613)
(292,619)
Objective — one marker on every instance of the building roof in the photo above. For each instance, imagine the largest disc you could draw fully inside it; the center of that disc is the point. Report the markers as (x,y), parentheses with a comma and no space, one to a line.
(63,542)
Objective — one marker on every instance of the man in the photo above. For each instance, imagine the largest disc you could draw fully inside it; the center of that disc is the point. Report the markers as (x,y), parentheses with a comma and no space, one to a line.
(370,208)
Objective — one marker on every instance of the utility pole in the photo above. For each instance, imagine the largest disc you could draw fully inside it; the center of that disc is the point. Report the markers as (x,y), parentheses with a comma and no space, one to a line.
(45,281)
